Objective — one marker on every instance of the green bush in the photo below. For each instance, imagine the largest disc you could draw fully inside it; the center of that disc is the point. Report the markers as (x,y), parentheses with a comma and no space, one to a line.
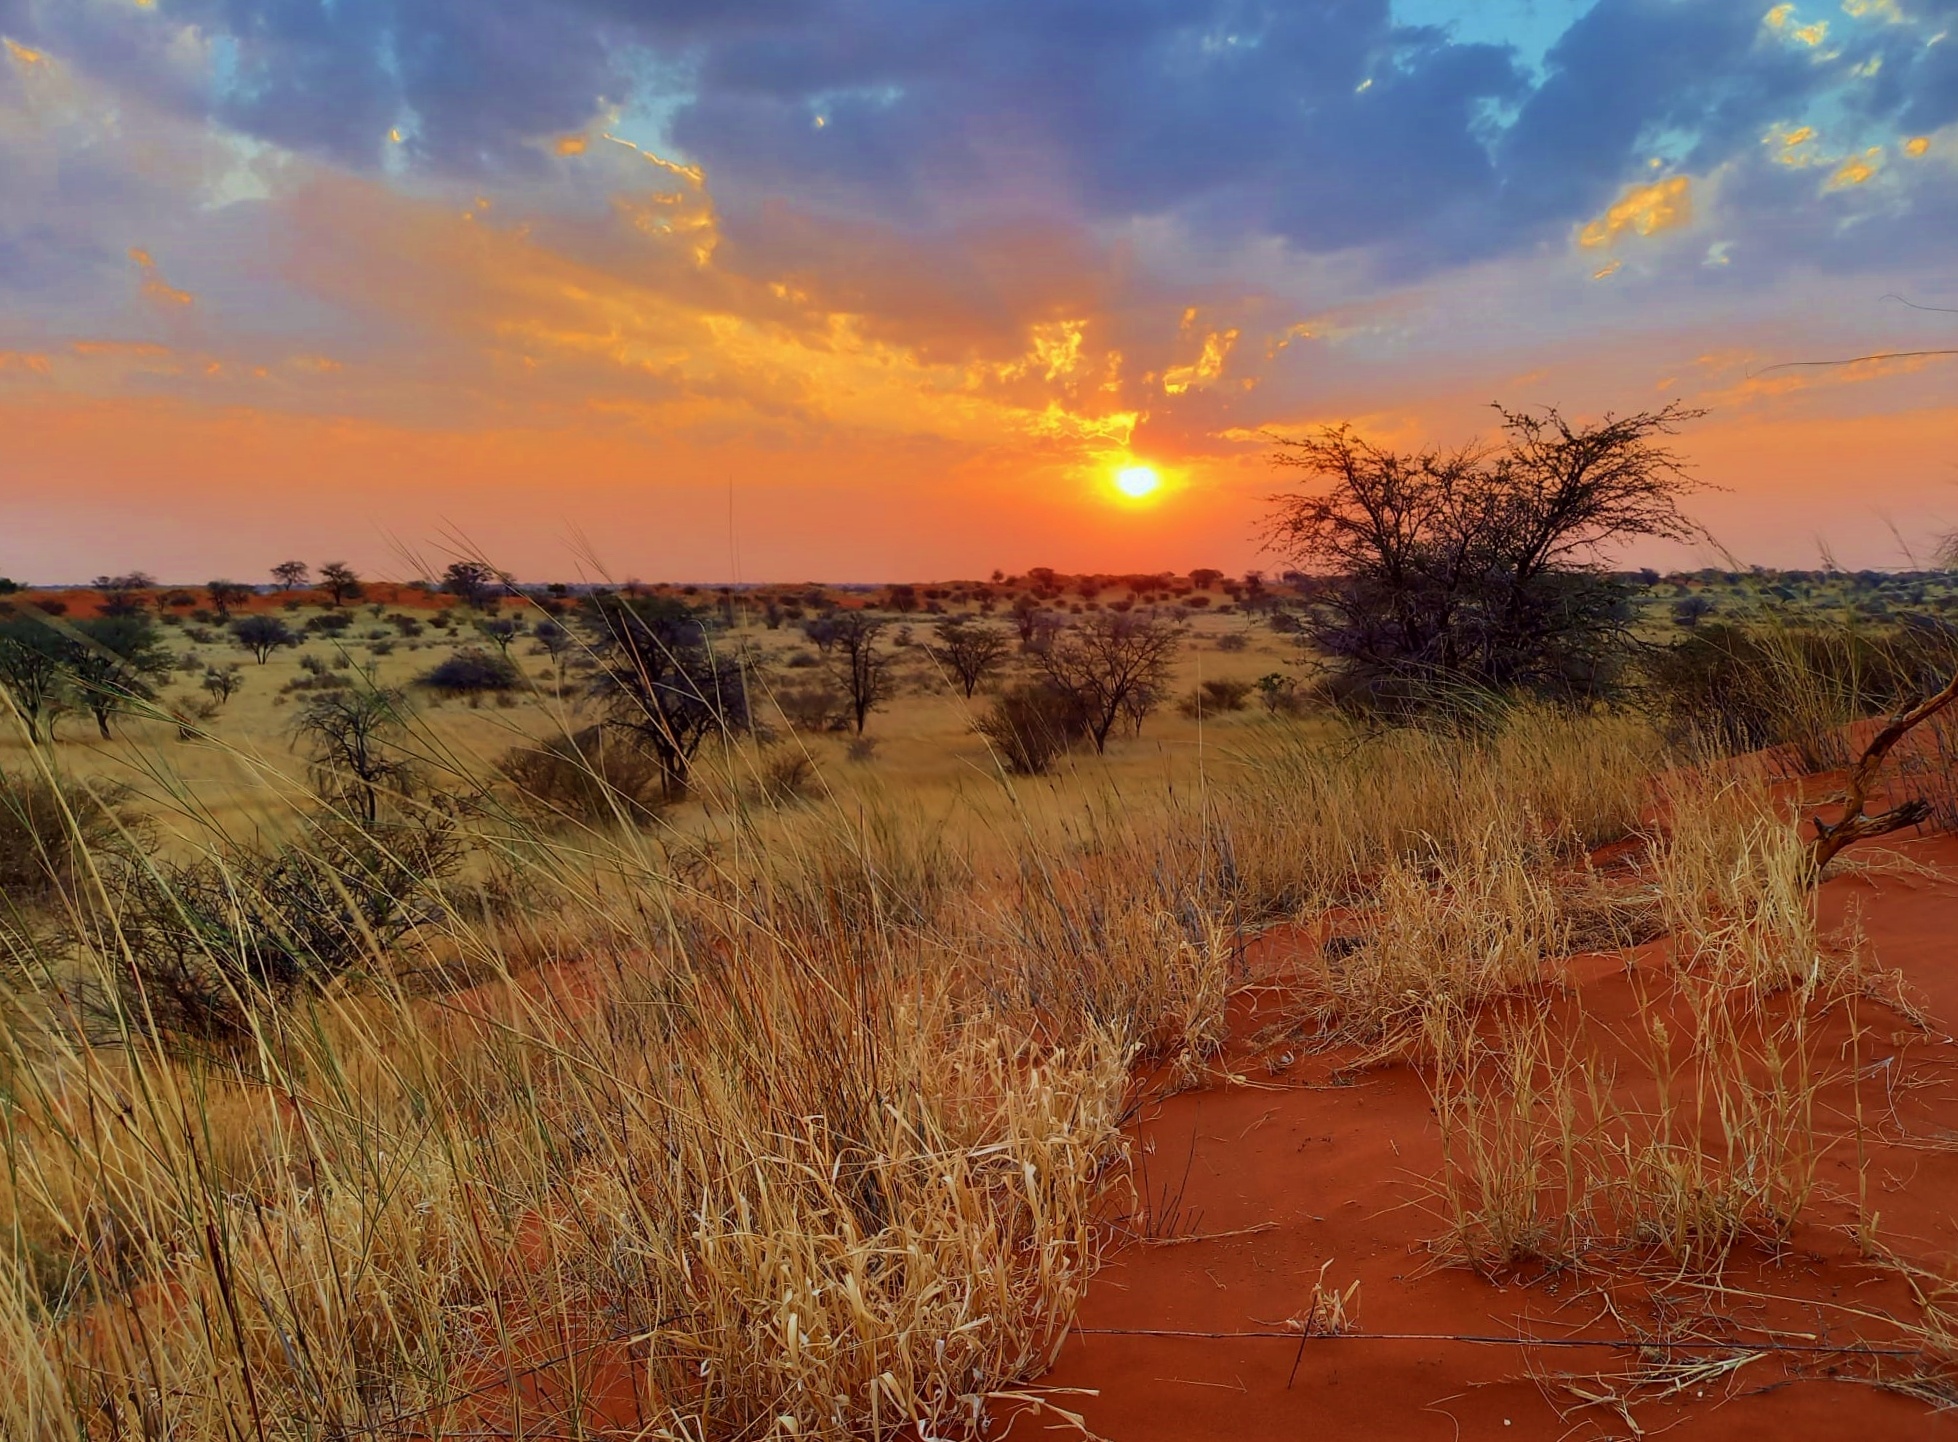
(199,950)
(473,671)
(47,828)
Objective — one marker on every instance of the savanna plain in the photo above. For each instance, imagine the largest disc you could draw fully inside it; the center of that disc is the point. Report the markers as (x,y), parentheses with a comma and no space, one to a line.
(1087,1005)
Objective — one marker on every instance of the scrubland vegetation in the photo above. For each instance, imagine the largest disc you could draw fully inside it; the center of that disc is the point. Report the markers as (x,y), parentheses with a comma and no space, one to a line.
(601,1019)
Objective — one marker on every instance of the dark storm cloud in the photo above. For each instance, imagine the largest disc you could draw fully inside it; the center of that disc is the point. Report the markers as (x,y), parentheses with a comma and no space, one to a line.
(1323,122)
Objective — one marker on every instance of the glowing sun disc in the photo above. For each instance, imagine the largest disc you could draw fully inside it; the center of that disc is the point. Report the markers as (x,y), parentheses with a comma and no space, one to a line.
(1137,481)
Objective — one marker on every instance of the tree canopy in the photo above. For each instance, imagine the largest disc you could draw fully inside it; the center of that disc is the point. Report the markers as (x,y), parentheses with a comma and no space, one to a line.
(1479,567)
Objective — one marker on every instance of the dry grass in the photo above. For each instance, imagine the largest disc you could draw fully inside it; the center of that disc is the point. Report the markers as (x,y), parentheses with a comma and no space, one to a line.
(801,1120)
(1696,1132)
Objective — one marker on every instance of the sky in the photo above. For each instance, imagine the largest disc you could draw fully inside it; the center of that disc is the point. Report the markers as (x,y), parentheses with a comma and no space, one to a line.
(748,290)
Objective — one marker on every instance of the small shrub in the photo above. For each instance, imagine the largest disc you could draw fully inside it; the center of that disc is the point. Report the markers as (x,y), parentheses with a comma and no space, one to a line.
(785,775)
(210,947)
(588,778)
(473,671)
(1280,694)
(1213,697)
(1032,725)
(816,706)
(47,827)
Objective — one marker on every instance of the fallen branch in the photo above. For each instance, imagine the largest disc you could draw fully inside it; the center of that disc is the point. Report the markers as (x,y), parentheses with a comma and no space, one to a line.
(1853,826)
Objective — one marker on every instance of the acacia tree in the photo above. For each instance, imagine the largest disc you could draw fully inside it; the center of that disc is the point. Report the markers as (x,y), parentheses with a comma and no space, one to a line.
(970,650)
(474,583)
(123,595)
(1477,567)
(262,635)
(226,594)
(112,660)
(500,632)
(353,739)
(1111,665)
(662,680)
(340,582)
(861,668)
(32,672)
(291,575)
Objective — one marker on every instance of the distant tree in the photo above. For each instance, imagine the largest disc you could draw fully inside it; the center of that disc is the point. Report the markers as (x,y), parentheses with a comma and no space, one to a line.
(821,630)
(223,682)
(8,586)
(1112,664)
(474,583)
(661,678)
(226,594)
(262,635)
(1688,611)
(353,735)
(1024,609)
(112,660)
(1475,568)
(291,575)
(123,595)
(500,632)
(862,670)
(340,582)
(970,650)
(32,672)
(1205,578)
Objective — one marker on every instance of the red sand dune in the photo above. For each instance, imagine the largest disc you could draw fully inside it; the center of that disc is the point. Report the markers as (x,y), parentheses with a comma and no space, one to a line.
(1309,1165)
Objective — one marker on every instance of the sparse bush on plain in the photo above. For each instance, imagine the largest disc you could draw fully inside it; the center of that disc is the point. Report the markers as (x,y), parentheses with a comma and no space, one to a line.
(1215,697)
(262,635)
(48,827)
(206,946)
(1032,725)
(587,778)
(472,671)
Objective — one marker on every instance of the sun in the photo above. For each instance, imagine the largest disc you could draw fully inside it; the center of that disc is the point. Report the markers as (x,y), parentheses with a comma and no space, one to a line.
(1136,482)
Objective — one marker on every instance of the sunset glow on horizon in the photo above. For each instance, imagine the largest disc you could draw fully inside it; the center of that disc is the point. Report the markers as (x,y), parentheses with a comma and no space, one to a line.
(861,293)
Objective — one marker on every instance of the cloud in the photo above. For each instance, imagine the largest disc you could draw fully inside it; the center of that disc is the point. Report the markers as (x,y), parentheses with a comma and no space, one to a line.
(155,287)
(1642,210)
(1026,231)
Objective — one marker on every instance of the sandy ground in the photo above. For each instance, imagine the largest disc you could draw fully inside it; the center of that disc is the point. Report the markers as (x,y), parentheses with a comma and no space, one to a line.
(1272,1177)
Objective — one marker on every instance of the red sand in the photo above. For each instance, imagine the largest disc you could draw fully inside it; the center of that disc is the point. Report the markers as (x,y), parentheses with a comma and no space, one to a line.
(1330,1167)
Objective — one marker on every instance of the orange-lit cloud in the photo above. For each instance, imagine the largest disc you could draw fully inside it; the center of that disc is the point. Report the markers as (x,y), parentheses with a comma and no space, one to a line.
(1783,21)
(1857,168)
(155,288)
(1215,350)
(1917,145)
(1642,210)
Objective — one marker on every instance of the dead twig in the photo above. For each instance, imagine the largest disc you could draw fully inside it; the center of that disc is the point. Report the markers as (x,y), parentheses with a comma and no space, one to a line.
(1854,825)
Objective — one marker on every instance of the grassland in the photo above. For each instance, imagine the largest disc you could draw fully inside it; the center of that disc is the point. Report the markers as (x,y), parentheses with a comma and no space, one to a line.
(815,1109)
